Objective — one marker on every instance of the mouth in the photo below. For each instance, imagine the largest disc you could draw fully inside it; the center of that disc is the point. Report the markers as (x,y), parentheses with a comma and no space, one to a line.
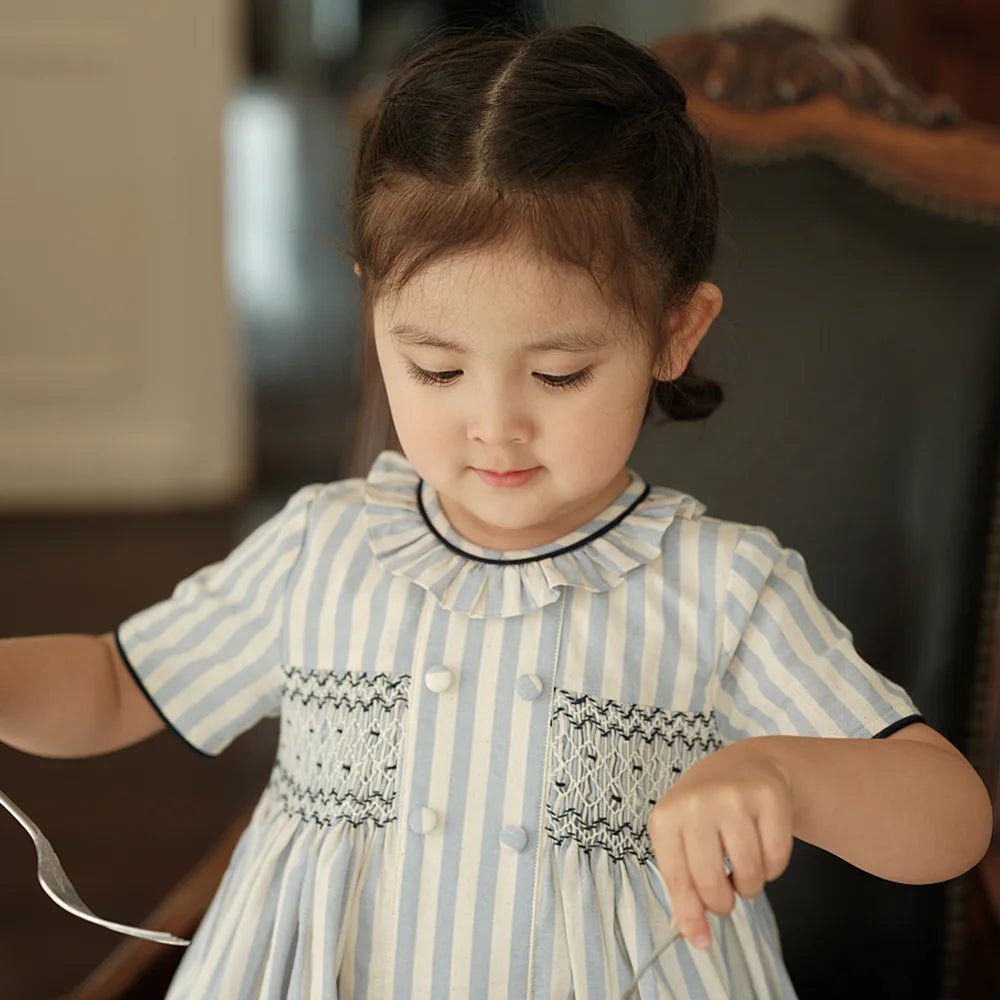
(516,477)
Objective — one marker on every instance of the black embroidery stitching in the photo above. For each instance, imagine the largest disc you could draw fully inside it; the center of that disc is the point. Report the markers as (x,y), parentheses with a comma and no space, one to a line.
(600,794)
(345,806)
(357,781)
(648,723)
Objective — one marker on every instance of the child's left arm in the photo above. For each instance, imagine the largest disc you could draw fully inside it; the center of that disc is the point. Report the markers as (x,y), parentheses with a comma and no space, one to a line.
(909,808)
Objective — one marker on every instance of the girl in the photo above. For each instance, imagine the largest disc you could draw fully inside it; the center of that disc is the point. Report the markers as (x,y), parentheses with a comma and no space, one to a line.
(533,708)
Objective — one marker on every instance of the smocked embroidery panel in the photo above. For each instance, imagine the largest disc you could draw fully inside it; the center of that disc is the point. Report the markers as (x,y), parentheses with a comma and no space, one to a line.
(338,750)
(610,763)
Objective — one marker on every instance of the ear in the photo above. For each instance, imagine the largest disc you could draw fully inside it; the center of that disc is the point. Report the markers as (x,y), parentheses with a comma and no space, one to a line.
(357,270)
(687,328)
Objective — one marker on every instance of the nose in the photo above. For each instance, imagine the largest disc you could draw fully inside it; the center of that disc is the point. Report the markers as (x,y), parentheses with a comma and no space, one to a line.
(499,419)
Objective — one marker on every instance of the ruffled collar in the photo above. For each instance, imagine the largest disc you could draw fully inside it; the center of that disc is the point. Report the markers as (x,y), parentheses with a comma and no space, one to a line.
(411,536)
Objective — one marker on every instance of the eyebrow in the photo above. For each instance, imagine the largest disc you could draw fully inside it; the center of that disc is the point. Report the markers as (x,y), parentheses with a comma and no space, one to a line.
(575,341)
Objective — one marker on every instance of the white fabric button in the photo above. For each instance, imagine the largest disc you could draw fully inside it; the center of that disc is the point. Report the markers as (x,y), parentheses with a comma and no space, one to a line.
(514,837)
(423,820)
(438,678)
(528,686)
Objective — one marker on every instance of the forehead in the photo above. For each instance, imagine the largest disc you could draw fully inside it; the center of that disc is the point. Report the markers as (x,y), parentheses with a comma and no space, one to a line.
(534,303)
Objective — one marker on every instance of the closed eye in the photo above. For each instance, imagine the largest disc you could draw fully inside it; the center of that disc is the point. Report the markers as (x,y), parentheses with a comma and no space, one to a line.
(574,381)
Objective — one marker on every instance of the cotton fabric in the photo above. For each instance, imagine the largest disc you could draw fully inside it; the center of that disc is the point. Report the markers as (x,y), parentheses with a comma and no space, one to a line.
(471,740)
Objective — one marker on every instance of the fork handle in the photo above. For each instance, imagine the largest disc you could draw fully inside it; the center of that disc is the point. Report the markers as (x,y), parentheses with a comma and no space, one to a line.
(649,961)
(18,814)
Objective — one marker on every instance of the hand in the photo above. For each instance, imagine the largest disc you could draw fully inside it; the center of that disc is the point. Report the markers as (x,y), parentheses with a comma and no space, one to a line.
(737,802)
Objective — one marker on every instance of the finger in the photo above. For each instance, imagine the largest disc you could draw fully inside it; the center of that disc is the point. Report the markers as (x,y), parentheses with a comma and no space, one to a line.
(774,828)
(741,841)
(704,852)
(688,911)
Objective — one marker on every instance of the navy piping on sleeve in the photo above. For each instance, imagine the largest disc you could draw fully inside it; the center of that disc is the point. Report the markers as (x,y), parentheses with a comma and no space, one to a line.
(142,687)
(897,725)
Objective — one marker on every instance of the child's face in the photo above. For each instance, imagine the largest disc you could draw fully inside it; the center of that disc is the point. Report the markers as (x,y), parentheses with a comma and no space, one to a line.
(494,412)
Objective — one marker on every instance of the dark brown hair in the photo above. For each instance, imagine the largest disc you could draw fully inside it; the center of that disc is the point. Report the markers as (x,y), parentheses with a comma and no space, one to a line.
(573,138)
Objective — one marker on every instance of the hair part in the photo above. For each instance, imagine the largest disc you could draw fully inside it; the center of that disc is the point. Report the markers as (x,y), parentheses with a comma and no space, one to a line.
(571,141)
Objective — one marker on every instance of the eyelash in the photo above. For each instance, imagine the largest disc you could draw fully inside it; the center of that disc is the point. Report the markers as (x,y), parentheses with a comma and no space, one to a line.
(575,381)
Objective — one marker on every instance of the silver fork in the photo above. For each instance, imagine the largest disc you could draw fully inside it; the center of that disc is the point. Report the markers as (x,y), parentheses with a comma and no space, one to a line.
(54,881)
(630,993)
(633,986)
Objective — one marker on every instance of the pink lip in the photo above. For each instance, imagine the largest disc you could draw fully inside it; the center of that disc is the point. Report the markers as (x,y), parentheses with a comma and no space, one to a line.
(518,478)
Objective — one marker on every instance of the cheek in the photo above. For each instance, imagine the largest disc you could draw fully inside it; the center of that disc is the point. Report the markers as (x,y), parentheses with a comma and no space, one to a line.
(410,411)
(604,428)
(406,397)
(421,426)
(611,413)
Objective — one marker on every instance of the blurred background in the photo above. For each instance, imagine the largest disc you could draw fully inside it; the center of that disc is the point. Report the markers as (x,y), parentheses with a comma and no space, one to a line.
(180,345)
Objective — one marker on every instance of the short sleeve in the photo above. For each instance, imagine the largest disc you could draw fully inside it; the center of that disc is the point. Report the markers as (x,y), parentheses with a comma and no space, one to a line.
(209,656)
(788,665)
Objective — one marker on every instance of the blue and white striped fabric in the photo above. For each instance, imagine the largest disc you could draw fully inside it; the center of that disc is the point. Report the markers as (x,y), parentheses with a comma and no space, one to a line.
(471,740)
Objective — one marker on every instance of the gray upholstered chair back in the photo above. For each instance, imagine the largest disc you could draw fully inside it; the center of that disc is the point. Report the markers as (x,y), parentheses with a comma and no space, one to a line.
(859,350)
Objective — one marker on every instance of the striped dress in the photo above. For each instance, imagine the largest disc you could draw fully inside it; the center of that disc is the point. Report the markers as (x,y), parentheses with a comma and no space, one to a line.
(471,740)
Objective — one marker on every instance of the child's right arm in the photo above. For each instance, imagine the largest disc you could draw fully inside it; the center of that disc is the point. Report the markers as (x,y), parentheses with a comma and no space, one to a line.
(70,696)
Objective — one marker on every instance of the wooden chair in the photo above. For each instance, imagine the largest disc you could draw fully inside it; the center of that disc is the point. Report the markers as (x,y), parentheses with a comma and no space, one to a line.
(859,349)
